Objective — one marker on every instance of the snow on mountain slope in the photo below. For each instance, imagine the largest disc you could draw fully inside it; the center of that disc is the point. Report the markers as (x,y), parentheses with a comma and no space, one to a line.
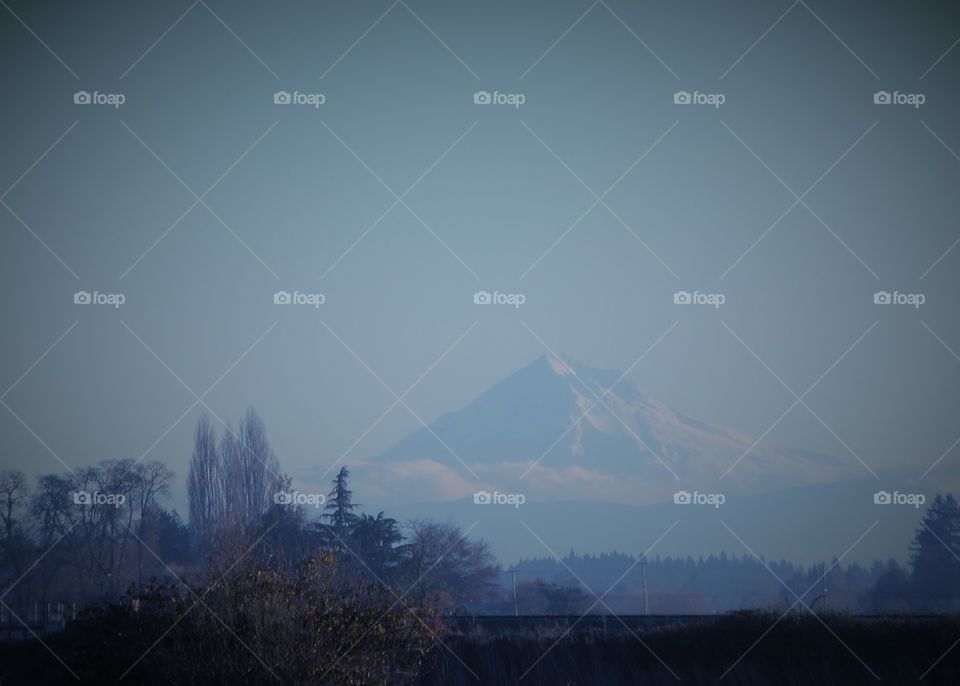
(557,429)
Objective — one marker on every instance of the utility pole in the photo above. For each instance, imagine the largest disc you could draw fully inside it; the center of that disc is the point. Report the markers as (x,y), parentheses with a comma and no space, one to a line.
(823,589)
(643,572)
(513,579)
(823,583)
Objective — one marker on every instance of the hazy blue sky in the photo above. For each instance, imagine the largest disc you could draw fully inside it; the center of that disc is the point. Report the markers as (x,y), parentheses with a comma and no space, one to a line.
(399,96)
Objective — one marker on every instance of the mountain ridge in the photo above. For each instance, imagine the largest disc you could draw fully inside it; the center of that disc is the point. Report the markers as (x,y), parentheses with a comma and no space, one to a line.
(557,416)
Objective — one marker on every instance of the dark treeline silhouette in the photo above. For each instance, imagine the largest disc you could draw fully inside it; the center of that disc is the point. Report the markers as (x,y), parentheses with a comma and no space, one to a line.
(86,534)
(721,583)
(705,585)
(259,586)
(265,584)
(743,648)
(95,533)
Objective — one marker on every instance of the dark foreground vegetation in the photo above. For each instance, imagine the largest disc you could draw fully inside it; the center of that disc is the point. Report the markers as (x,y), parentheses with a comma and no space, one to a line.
(263,584)
(246,626)
(296,634)
(798,650)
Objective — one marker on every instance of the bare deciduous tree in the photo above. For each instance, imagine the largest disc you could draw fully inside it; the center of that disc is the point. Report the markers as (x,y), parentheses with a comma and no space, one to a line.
(13,492)
(204,485)
(231,485)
